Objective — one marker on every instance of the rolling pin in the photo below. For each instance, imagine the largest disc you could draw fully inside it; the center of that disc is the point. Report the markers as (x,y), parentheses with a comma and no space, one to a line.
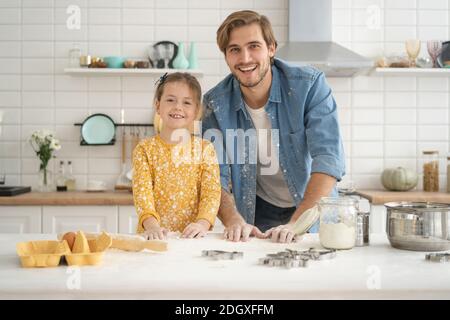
(129,242)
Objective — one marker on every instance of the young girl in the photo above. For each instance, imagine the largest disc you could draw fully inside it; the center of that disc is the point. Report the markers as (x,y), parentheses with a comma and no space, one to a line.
(170,193)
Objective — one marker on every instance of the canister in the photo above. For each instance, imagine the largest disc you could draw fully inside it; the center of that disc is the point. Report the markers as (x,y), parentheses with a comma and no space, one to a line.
(362,229)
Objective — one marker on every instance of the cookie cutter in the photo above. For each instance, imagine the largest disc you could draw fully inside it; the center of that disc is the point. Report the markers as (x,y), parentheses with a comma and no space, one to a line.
(223,255)
(296,259)
(438,257)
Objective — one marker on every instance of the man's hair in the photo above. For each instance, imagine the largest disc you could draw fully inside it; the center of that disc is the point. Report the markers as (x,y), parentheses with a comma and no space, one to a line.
(244,18)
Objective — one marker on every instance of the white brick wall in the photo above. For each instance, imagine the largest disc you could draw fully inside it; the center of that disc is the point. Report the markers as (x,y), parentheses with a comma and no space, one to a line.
(385,122)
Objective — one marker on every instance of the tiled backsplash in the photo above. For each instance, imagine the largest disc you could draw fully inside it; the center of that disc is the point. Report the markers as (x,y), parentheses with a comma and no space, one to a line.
(385,121)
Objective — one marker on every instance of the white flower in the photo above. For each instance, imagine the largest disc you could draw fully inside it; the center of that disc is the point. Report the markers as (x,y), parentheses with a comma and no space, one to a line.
(54,144)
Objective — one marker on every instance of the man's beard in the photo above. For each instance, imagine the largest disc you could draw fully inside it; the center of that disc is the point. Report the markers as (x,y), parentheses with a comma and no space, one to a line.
(262,74)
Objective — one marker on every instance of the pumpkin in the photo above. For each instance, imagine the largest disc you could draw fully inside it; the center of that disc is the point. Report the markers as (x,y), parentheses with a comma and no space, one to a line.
(399,179)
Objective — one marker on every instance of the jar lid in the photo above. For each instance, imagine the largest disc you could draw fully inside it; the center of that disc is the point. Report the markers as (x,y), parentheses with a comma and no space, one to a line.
(431,152)
(342,201)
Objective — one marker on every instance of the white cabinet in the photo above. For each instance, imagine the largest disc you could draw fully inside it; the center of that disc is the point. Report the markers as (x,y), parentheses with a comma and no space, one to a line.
(58,219)
(20,219)
(128,219)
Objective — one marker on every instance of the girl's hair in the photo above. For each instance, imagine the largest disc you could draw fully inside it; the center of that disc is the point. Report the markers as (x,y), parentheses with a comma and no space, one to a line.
(244,18)
(183,77)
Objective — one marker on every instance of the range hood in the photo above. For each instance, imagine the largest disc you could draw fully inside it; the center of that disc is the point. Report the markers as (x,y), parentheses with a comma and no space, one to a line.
(310,41)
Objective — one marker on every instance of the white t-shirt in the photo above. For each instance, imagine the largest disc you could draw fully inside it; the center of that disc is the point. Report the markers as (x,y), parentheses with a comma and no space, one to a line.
(270,183)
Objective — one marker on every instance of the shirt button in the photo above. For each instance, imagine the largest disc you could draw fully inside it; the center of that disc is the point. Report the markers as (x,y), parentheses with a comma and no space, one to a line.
(284,170)
(295,195)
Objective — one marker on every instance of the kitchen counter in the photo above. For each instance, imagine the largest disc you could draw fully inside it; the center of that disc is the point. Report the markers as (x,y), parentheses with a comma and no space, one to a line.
(70,198)
(374,272)
(382,196)
(376,197)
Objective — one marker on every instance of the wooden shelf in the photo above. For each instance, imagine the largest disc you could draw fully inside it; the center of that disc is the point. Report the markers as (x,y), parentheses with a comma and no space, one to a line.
(411,72)
(126,72)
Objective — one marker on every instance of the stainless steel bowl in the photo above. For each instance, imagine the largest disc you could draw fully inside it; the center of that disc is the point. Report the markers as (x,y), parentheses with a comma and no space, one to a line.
(418,226)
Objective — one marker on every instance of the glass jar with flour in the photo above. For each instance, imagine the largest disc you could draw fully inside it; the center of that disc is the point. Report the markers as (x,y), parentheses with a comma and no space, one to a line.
(338,217)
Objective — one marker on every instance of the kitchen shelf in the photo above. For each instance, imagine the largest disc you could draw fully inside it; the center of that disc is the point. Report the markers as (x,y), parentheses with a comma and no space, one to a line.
(126,72)
(411,72)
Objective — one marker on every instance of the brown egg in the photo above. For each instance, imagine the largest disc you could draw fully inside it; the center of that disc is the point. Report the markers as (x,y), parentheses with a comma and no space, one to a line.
(70,238)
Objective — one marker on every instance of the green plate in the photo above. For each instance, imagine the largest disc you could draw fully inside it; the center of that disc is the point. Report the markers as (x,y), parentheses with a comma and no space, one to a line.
(98,129)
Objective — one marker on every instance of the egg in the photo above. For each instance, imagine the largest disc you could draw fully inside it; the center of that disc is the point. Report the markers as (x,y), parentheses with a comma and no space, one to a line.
(70,238)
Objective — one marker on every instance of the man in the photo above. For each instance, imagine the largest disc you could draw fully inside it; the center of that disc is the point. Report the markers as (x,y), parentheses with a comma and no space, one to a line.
(294,114)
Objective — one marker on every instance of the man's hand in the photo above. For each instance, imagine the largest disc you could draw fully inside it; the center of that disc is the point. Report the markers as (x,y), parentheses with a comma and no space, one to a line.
(239,230)
(283,233)
(196,229)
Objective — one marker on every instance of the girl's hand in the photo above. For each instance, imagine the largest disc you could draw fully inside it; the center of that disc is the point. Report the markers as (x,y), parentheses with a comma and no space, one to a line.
(196,229)
(153,231)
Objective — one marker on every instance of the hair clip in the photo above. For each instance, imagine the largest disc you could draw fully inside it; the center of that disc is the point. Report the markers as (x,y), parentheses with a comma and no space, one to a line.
(161,79)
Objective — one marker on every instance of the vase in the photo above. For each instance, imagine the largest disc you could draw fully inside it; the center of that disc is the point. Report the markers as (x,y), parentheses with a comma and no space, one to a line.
(45,180)
(193,59)
(180,61)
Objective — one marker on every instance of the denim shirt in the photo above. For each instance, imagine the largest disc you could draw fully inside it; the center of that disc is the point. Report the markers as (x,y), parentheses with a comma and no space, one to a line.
(301,107)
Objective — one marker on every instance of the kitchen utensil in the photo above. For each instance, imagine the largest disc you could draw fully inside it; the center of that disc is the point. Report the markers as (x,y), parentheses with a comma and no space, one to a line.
(164,52)
(444,55)
(85,61)
(418,226)
(434,48)
(223,255)
(114,61)
(130,64)
(122,182)
(338,217)
(295,259)
(438,257)
(413,50)
(306,220)
(96,186)
(362,229)
(142,64)
(98,129)
(13,191)
(129,242)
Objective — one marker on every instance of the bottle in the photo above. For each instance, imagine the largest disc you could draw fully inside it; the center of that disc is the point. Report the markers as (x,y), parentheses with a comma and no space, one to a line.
(61,178)
(193,60)
(448,174)
(70,179)
(74,56)
(180,61)
(338,222)
(431,171)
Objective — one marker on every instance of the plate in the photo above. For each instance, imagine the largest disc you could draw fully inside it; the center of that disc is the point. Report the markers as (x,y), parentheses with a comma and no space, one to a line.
(98,129)
(445,54)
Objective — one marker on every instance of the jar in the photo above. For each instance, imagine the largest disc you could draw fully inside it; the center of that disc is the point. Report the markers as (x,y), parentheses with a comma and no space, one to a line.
(74,56)
(431,171)
(448,174)
(338,218)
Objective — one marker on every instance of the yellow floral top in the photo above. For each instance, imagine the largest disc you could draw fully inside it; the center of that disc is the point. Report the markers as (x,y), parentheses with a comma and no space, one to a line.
(177,184)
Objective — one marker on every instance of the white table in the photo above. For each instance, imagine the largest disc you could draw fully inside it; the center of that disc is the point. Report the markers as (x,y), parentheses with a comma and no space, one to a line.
(374,272)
